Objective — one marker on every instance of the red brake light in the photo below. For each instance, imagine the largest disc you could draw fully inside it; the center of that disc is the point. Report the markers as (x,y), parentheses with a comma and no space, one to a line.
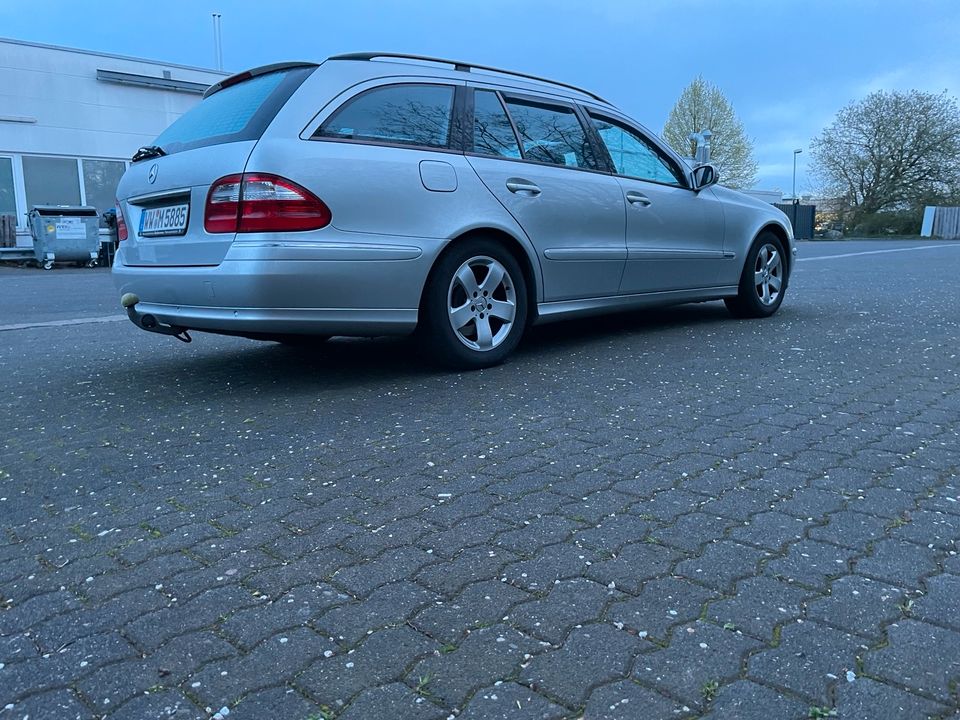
(121,224)
(259,202)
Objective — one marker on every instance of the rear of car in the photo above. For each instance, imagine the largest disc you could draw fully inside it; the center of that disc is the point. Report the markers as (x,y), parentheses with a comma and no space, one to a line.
(226,225)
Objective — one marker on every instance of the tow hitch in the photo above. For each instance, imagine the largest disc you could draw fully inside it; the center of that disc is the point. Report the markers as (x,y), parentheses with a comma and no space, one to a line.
(146,321)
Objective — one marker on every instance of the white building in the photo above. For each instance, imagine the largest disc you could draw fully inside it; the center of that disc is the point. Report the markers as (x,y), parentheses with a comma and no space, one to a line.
(71,119)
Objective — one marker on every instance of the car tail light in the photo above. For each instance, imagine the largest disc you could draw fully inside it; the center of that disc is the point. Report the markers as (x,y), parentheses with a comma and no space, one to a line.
(258,202)
(121,224)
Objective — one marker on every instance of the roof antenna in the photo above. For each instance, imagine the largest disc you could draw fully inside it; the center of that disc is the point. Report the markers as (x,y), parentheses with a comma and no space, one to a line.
(217,42)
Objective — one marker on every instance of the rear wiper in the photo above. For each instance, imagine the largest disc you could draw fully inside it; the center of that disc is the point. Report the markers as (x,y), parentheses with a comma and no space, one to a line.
(147,152)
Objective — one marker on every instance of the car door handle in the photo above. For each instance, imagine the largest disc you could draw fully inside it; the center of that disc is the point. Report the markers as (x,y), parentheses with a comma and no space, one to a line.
(635,198)
(522,187)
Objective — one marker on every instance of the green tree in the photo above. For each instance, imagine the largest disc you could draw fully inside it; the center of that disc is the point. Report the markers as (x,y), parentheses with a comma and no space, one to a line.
(891,152)
(703,106)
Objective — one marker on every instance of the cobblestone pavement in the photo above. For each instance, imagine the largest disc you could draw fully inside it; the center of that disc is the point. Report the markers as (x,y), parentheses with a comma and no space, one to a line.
(659,515)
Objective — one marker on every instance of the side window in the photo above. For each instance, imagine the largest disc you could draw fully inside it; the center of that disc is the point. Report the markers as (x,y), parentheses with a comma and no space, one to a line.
(551,134)
(492,132)
(8,200)
(401,114)
(633,156)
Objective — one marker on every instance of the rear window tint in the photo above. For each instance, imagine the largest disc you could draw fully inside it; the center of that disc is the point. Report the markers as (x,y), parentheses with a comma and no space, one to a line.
(395,114)
(238,112)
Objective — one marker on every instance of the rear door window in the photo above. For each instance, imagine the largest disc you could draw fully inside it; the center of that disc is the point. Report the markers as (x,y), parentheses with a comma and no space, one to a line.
(492,132)
(238,112)
(551,134)
(405,114)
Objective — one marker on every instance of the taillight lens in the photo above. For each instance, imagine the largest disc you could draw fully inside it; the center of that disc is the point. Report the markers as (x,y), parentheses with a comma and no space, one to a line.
(258,202)
(121,224)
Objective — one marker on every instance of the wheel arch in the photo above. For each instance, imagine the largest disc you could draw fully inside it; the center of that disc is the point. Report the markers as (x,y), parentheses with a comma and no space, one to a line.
(783,236)
(520,252)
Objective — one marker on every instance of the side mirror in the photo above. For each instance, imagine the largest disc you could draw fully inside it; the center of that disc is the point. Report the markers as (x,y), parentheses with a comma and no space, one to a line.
(704,176)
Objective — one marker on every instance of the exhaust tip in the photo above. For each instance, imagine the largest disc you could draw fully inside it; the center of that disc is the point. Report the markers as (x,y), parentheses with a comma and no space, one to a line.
(128,300)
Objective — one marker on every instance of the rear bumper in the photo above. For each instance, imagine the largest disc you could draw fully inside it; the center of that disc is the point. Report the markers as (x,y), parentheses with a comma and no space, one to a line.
(290,287)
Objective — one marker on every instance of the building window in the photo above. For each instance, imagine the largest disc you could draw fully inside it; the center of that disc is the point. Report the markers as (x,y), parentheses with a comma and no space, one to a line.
(51,181)
(8,198)
(100,180)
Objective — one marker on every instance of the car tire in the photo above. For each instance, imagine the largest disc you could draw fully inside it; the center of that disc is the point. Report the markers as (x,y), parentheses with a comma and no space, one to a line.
(474,308)
(763,281)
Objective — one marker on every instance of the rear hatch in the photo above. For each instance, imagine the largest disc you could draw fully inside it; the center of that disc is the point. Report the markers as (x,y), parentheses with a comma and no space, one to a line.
(163,194)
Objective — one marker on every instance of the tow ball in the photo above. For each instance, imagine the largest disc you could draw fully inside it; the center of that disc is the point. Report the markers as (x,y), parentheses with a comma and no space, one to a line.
(148,322)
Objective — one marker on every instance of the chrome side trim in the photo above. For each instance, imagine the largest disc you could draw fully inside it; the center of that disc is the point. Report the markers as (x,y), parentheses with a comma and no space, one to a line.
(162,195)
(318,250)
(586,253)
(634,253)
(562,309)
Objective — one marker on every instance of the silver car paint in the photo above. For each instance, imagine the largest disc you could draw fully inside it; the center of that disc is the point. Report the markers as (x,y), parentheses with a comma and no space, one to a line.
(364,274)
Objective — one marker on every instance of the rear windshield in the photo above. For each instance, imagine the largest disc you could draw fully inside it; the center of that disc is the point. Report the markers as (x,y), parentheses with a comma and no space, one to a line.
(238,112)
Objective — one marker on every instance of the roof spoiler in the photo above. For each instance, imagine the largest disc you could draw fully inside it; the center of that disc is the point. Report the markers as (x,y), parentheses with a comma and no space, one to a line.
(247,74)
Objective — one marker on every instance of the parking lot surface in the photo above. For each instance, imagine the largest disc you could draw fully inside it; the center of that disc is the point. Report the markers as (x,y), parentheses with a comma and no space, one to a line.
(664,514)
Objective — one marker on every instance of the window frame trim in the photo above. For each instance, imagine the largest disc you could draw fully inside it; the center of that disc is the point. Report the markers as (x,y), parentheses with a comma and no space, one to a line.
(454,143)
(548,101)
(19,191)
(592,114)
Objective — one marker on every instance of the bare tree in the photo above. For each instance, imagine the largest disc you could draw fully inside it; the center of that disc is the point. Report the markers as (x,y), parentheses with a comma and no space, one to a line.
(703,106)
(891,151)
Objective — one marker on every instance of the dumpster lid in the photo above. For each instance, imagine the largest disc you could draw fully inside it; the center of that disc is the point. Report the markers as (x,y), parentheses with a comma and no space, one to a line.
(63,210)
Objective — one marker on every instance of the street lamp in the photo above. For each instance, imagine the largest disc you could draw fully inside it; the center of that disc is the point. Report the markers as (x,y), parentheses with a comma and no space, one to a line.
(795,153)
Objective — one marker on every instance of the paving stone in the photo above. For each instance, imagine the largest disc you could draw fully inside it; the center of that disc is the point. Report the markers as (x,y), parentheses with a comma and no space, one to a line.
(850,529)
(897,562)
(278,702)
(537,533)
(115,684)
(393,565)
(810,563)
(612,533)
(482,658)
(661,604)
(699,653)
(391,702)
(770,530)
(720,564)
(17,647)
(745,700)
(153,629)
(554,562)
(866,699)
(596,507)
(147,574)
(809,658)
(312,568)
(185,654)
(294,608)
(274,661)
(468,533)
(633,565)
(510,701)
(62,704)
(592,654)
(882,501)
(485,602)
(667,505)
(72,663)
(568,603)
(469,566)
(923,657)
(858,605)
(626,700)
(691,532)
(530,506)
(229,570)
(371,541)
(739,504)
(381,658)
(758,606)
(941,603)
(933,529)
(30,613)
(387,605)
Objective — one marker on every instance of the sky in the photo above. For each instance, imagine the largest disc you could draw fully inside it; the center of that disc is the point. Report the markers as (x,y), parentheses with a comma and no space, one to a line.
(787,67)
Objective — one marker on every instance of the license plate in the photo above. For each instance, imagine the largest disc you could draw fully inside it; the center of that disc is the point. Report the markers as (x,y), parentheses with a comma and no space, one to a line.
(169,220)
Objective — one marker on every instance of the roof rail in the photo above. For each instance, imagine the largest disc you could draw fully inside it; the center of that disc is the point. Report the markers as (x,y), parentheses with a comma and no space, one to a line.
(464,67)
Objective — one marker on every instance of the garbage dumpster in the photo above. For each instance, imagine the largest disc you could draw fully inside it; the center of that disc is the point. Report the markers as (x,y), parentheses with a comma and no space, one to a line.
(65,233)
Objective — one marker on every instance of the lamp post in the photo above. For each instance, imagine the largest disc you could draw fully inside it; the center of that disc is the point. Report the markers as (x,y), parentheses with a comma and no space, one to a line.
(795,153)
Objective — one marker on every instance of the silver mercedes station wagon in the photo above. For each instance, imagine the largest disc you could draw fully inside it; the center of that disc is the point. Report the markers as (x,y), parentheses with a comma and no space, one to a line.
(378,193)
